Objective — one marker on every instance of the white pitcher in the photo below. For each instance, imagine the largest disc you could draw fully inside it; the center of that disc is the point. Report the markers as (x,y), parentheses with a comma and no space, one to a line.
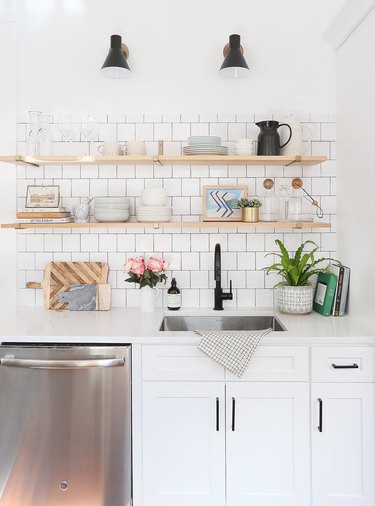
(147,298)
(296,147)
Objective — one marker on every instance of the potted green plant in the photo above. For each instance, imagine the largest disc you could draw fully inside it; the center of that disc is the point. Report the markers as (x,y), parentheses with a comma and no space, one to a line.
(250,209)
(296,292)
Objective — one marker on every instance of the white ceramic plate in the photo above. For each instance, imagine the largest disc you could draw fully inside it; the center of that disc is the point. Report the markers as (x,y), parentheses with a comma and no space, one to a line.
(204,139)
(153,219)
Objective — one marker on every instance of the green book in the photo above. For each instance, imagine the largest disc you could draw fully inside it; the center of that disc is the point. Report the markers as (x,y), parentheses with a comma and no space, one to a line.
(325,293)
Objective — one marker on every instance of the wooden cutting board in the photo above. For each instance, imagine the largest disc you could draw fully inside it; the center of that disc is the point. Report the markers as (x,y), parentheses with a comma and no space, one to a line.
(58,276)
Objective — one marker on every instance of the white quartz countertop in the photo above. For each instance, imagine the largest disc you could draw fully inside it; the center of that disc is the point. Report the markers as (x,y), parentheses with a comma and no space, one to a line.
(128,325)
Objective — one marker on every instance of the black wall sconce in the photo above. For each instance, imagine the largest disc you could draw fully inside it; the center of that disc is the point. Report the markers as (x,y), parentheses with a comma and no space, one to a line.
(115,65)
(234,64)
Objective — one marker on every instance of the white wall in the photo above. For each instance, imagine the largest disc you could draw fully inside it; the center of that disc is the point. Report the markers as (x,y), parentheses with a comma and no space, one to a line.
(7,171)
(175,53)
(356,171)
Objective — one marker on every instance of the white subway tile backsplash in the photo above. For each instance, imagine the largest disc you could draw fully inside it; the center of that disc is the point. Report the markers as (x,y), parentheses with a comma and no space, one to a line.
(180,131)
(190,261)
(220,130)
(245,298)
(163,242)
(71,242)
(89,242)
(200,129)
(163,131)
(181,242)
(189,251)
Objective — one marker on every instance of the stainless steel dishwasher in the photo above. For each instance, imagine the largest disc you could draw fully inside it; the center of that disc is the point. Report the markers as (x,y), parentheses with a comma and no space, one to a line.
(65,425)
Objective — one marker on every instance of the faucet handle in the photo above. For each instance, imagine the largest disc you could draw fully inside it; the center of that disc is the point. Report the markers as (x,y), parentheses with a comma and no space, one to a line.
(227,295)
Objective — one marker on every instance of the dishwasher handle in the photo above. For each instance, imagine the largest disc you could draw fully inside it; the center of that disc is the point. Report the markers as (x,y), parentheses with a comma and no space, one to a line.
(62,364)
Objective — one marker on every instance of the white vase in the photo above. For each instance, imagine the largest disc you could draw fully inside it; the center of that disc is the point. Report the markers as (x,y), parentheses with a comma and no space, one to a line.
(147,299)
(295,299)
(296,146)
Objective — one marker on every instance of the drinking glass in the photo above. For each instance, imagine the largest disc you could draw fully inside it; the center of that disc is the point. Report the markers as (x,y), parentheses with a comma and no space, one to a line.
(66,129)
(89,130)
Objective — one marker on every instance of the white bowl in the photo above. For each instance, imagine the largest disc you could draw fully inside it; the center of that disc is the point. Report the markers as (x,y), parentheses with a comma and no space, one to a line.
(112,206)
(244,152)
(154,190)
(154,201)
(154,209)
(111,200)
(112,216)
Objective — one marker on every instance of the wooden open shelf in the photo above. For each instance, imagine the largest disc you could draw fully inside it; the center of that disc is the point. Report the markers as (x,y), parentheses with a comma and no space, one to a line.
(173,224)
(165,160)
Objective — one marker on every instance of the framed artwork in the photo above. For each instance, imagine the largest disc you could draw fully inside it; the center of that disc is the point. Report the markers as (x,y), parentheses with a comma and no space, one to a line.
(219,202)
(42,196)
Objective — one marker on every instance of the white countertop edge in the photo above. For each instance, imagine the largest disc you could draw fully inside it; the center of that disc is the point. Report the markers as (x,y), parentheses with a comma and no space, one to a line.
(129,326)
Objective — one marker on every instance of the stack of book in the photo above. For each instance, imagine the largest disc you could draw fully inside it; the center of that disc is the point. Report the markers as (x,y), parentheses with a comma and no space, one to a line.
(332,290)
(45,215)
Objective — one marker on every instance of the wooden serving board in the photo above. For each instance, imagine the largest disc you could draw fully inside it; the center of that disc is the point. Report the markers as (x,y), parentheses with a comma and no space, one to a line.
(58,276)
(87,297)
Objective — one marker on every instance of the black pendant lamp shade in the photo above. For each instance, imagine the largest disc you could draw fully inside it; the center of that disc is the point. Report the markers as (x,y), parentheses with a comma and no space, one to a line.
(115,65)
(234,64)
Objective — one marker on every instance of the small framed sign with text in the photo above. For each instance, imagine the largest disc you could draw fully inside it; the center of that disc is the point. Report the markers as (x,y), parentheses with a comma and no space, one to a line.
(42,196)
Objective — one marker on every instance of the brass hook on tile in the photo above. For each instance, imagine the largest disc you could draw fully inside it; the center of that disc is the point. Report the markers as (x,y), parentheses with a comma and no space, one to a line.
(297,184)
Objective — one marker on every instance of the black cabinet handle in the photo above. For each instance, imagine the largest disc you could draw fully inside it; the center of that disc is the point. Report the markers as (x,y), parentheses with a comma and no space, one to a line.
(217,414)
(320,426)
(353,366)
(233,414)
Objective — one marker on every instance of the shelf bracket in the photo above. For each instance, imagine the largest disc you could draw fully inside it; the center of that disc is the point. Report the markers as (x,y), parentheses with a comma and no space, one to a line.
(22,159)
(298,225)
(156,226)
(156,159)
(297,159)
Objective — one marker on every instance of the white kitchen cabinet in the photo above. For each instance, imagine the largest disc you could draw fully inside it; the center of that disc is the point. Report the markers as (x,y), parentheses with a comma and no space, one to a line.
(274,451)
(268,450)
(183,444)
(343,449)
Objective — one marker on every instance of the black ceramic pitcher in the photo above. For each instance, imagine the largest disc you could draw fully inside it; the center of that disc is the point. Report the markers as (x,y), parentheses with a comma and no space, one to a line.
(269,138)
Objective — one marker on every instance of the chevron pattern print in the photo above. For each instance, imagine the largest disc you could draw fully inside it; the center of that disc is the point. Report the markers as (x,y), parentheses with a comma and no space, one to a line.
(219,203)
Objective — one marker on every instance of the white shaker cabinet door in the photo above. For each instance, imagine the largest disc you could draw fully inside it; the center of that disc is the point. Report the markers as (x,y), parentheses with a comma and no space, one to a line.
(183,444)
(343,444)
(268,457)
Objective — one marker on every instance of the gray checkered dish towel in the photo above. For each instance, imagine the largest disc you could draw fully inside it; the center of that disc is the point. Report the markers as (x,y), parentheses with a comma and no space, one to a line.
(231,348)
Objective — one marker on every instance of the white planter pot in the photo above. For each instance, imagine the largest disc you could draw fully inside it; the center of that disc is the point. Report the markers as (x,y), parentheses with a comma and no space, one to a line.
(295,299)
(147,299)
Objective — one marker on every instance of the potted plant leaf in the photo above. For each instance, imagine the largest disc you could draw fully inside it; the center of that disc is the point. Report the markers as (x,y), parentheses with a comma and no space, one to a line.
(250,209)
(296,292)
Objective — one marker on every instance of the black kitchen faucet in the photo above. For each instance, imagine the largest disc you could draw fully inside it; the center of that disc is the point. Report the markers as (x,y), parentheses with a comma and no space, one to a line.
(220,295)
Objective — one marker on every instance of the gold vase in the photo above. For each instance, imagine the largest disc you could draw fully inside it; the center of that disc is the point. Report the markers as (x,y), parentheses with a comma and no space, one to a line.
(250,214)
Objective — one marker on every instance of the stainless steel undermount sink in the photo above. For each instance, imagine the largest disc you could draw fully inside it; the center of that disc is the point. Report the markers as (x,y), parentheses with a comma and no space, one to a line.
(191,323)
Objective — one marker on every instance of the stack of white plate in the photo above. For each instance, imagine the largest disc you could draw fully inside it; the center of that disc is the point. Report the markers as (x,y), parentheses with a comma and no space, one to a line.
(204,145)
(111,209)
(154,208)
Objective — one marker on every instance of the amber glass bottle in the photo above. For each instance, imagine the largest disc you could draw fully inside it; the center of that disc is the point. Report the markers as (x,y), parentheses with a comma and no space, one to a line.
(173,296)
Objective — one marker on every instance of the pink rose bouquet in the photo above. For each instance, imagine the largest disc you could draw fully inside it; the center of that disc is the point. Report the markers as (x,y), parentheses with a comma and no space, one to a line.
(149,275)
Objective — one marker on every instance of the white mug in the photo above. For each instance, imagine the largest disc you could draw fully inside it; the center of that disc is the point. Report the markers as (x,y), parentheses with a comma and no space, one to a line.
(136,148)
(112,148)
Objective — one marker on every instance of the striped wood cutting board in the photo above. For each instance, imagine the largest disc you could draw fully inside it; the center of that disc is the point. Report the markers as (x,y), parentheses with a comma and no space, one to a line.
(58,276)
